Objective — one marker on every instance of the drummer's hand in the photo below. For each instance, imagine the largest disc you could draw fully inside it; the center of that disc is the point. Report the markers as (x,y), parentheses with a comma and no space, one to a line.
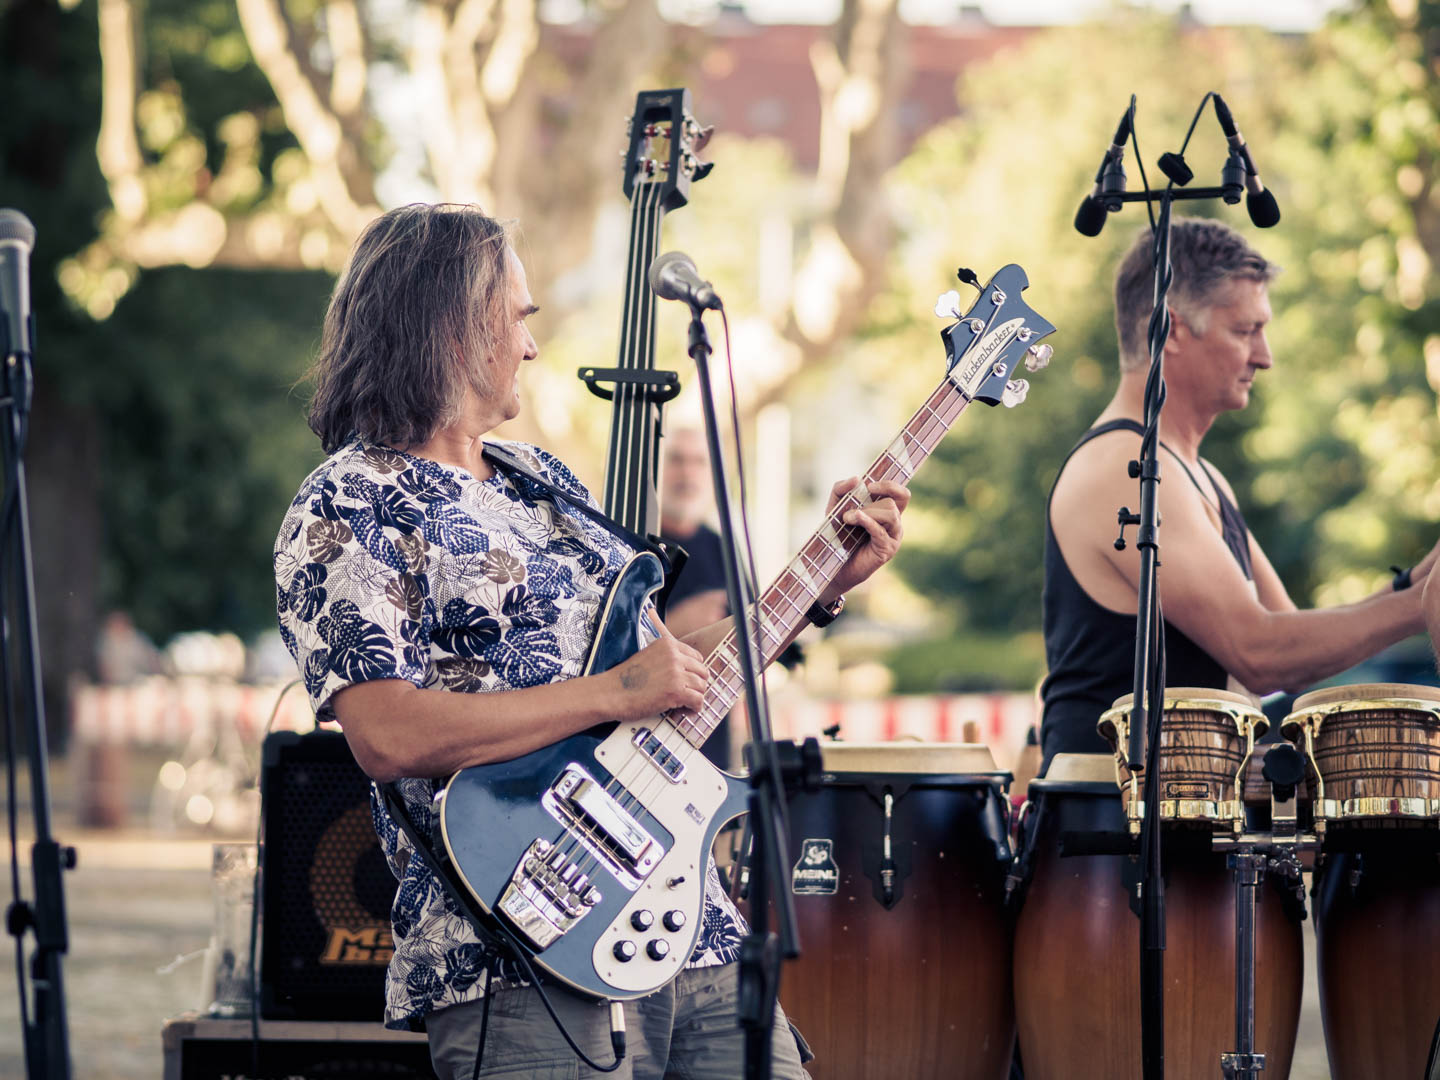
(880,518)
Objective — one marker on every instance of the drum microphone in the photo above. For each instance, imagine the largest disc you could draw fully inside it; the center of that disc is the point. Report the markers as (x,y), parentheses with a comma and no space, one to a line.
(1104,198)
(673,277)
(17,238)
(1264,211)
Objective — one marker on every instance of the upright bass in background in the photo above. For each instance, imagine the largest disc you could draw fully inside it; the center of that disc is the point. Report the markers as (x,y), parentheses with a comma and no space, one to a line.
(660,164)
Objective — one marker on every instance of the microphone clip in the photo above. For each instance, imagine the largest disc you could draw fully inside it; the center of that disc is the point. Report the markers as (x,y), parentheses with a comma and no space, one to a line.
(1112,183)
(1175,169)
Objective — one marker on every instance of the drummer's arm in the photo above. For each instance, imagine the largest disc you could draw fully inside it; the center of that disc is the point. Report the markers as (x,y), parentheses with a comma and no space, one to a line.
(1430,600)
(1268,586)
(1254,631)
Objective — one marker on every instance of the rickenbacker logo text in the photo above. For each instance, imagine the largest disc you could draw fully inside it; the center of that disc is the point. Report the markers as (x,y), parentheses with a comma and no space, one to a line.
(370,945)
(984,352)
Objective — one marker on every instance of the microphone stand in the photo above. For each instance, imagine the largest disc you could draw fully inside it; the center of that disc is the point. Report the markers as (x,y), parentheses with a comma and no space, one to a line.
(47,1052)
(761,951)
(1148,685)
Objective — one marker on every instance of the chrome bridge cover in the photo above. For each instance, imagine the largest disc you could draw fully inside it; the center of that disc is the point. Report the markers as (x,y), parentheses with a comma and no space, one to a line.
(547,894)
(605,828)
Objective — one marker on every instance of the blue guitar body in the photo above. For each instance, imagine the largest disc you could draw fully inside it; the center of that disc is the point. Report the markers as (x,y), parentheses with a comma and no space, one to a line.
(593,850)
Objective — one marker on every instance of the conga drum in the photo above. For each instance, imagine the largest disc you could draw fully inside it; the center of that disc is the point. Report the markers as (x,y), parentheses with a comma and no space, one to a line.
(905,965)
(1206,738)
(1077,941)
(1375,749)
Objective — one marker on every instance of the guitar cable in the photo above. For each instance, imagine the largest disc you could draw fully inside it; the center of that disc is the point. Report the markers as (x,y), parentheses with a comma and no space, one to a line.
(493,937)
(617,1011)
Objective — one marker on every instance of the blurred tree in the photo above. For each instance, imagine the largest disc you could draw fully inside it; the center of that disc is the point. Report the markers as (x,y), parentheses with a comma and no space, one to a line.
(1334,461)
(256,134)
(202,442)
(265,134)
(50,88)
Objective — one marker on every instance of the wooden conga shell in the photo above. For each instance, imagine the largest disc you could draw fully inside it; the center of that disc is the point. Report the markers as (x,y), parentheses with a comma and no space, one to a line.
(1376,945)
(1205,737)
(1077,953)
(922,989)
(1375,748)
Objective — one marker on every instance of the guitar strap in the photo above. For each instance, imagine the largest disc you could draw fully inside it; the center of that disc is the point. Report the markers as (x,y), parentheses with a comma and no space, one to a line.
(509,463)
(494,939)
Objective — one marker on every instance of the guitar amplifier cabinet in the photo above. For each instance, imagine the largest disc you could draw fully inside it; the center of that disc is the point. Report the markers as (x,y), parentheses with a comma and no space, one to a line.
(201,1048)
(326,890)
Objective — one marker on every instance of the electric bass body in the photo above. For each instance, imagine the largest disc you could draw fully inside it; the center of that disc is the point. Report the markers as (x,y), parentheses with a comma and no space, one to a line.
(605,870)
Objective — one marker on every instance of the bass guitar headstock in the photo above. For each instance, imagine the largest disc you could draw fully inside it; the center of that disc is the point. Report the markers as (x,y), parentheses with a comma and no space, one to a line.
(665,146)
(991,340)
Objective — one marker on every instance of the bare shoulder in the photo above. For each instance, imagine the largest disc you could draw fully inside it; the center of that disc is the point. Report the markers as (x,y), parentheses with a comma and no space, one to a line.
(1096,471)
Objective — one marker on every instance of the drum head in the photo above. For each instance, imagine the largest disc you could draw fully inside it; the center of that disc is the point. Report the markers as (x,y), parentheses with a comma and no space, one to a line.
(909,758)
(1332,695)
(1194,693)
(1084,774)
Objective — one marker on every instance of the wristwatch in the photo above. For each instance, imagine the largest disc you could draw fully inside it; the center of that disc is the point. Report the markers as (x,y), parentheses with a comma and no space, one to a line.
(820,615)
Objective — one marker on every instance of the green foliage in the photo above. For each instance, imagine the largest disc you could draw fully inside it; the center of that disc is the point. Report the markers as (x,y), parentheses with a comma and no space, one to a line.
(1334,461)
(967,663)
(204,442)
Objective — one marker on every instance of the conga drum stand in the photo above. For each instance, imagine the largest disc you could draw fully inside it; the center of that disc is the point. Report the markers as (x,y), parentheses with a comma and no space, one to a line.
(1251,855)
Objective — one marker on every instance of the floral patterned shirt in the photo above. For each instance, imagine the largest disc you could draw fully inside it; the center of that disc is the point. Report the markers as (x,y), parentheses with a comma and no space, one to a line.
(390,566)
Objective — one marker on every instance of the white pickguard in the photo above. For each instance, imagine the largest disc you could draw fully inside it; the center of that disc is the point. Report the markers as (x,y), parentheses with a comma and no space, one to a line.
(686,809)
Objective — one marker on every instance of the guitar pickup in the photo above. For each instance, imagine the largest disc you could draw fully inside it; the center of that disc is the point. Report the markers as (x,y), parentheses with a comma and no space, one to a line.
(596,818)
(650,745)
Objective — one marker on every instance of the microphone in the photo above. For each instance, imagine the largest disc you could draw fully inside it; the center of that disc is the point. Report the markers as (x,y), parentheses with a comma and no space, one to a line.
(673,277)
(1104,198)
(17,237)
(1264,211)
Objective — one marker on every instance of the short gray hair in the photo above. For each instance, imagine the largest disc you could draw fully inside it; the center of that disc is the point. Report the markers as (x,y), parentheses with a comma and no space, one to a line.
(1205,256)
(411,323)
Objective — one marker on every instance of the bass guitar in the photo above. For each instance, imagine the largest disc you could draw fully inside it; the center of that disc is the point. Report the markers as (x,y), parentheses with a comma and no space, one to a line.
(593,851)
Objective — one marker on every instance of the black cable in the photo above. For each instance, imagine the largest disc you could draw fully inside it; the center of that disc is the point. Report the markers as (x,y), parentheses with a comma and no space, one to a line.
(17,905)
(524,962)
(485,1016)
(255,895)
(492,933)
(1140,161)
(744,499)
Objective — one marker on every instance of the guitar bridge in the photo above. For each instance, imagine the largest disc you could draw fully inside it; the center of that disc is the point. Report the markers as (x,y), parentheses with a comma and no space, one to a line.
(547,894)
(604,828)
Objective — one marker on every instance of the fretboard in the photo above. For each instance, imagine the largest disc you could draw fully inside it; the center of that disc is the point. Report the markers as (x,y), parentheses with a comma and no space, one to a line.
(782,607)
(631,466)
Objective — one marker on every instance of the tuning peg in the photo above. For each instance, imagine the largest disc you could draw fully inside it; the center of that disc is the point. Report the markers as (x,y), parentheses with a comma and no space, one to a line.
(702,136)
(1014,393)
(702,170)
(1037,357)
(948,305)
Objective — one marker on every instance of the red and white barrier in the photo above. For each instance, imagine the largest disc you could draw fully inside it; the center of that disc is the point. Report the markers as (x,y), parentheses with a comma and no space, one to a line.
(165,711)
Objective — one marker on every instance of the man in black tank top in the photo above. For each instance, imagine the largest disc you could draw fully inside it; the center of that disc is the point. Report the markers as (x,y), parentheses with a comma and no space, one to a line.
(1228,619)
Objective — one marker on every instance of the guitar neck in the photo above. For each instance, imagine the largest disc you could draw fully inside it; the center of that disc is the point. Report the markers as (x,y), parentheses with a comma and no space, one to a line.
(782,607)
(632,465)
